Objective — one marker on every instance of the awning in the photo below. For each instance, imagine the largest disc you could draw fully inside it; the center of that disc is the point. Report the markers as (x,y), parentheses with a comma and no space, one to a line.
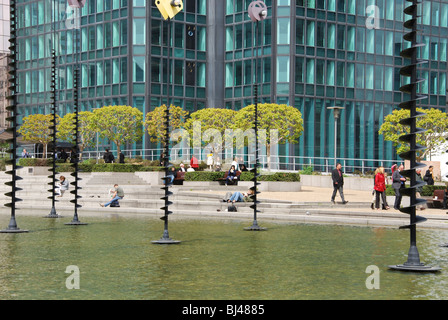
(5,135)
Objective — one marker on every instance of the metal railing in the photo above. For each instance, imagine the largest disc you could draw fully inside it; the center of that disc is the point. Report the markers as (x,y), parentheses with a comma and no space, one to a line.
(274,162)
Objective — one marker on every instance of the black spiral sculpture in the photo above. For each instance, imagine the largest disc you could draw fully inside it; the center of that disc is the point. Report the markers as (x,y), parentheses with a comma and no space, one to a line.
(257,12)
(413,263)
(75,151)
(53,121)
(165,239)
(12,108)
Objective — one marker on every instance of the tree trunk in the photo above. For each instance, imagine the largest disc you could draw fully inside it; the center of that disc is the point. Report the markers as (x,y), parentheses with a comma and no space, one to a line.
(118,150)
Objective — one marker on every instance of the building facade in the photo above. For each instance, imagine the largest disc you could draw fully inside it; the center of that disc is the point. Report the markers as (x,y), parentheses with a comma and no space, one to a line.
(312,54)
(4,50)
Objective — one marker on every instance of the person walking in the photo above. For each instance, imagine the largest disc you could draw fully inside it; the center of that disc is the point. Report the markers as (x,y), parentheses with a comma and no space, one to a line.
(419,190)
(194,163)
(338,182)
(108,156)
(397,183)
(380,189)
(429,176)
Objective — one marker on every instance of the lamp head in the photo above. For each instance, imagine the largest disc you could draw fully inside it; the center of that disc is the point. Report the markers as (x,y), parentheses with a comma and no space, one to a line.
(76,3)
(169,8)
(257,11)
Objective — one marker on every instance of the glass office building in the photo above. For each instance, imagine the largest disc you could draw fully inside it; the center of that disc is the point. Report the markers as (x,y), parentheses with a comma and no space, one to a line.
(313,54)
(320,53)
(121,46)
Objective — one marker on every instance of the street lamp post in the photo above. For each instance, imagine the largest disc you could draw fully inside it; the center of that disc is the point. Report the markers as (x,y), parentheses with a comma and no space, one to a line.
(337,113)
(258,11)
(76,5)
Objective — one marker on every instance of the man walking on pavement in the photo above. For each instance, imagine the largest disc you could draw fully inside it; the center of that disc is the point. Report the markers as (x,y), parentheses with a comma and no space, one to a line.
(338,183)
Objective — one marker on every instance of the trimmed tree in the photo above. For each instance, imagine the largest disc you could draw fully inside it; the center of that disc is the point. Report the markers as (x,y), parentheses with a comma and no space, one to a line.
(210,125)
(435,122)
(282,123)
(155,122)
(87,134)
(36,128)
(119,124)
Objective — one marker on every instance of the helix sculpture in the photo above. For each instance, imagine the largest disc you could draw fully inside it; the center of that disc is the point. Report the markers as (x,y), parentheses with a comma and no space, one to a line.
(413,263)
(76,5)
(12,118)
(257,12)
(168,9)
(53,121)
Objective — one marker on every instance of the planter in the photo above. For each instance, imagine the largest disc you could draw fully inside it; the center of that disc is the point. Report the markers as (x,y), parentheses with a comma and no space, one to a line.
(274,186)
(153,178)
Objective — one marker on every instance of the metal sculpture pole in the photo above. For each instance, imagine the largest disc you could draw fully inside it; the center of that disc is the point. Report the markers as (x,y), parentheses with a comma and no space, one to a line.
(168,9)
(257,12)
(446,195)
(413,263)
(76,5)
(12,108)
(53,169)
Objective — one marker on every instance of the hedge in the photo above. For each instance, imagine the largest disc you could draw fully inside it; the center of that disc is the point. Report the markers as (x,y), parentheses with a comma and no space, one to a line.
(427,191)
(87,166)
(204,175)
(245,176)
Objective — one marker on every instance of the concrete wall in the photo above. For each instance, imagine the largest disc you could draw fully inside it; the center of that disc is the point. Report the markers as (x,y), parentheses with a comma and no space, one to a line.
(351,183)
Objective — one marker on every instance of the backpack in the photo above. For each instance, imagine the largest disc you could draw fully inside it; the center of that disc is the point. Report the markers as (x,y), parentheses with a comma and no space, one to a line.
(231,208)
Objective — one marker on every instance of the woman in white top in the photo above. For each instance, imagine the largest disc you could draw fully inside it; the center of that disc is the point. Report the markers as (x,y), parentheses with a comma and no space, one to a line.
(62,186)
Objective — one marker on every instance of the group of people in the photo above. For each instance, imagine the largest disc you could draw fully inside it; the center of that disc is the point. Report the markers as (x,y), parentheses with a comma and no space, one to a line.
(380,183)
(109,157)
(398,182)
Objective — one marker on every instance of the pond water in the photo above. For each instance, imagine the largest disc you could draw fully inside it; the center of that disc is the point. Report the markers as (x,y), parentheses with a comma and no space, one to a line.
(216,259)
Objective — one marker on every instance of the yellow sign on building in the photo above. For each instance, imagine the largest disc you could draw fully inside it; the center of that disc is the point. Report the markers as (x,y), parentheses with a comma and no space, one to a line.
(169,8)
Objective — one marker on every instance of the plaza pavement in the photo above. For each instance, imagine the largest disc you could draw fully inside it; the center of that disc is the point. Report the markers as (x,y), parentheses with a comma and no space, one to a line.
(310,205)
(315,201)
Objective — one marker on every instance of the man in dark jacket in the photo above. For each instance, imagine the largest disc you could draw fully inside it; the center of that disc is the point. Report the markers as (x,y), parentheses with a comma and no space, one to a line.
(398,182)
(338,182)
(429,176)
(108,156)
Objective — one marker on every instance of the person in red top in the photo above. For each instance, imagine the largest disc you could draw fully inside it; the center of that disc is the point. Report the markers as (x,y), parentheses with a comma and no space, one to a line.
(380,188)
(194,163)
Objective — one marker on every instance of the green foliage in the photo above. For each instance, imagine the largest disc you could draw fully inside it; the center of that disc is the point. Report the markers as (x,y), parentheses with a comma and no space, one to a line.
(204,175)
(89,166)
(119,124)
(435,122)
(307,170)
(427,191)
(87,134)
(207,127)
(287,120)
(35,162)
(36,128)
(155,121)
(277,176)
(244,176)
(116,167)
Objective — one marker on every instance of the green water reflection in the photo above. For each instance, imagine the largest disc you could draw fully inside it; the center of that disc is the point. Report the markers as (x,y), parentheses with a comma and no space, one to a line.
(216,260)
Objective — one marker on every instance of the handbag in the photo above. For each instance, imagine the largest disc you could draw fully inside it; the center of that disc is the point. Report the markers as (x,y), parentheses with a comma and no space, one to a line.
(231,208)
